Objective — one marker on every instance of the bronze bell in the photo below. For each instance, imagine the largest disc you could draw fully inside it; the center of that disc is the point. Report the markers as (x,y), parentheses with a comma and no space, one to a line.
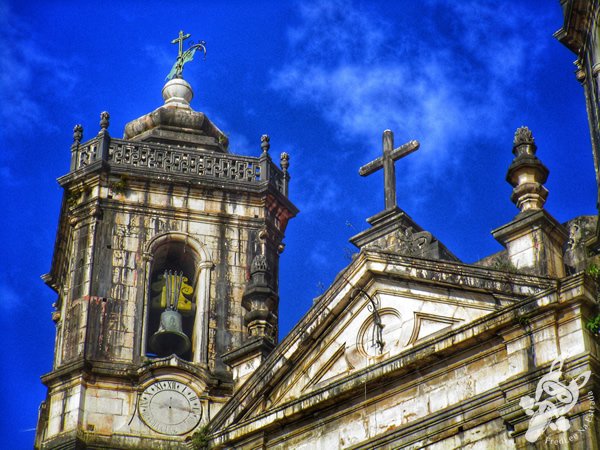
(170,339)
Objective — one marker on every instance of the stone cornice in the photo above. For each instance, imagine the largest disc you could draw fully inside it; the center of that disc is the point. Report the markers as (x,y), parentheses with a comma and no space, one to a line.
(578,15)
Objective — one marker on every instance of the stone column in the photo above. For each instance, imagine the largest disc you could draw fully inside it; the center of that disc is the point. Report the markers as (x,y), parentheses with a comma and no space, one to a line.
(200,334)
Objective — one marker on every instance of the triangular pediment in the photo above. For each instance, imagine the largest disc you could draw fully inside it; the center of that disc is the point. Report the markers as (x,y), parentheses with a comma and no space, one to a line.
(367,333)
(381,307)
(426,324)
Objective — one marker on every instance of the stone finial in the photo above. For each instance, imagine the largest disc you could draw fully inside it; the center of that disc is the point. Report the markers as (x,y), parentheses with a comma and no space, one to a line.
(285,161)
(527,173)
(285,164)
(104,120)
(265,143)
(77,134)
(523,135)
(260,300)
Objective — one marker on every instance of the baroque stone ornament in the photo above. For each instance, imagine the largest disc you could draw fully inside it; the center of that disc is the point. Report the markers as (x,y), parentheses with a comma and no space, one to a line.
(526,173)
(260,301)
(259,263)
(285,161)
(77,134)
(265,143)
(413,244)
(523,135)
(183,57)
(104,120)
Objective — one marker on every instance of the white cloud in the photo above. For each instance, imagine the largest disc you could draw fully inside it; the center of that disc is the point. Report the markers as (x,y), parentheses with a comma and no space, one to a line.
(317,194)
(161,57)
(9,298)
(8,177)
(449,77)
(29,75)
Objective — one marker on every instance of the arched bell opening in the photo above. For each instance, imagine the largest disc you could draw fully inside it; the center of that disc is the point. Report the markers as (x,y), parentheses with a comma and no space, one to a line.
(172,301)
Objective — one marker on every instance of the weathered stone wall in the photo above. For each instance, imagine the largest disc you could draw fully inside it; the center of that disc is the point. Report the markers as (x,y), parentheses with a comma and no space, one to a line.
(103,309)
(457,385)
(109,264)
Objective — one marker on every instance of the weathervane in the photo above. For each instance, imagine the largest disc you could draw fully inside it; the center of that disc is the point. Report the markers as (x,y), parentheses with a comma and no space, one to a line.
(184,57)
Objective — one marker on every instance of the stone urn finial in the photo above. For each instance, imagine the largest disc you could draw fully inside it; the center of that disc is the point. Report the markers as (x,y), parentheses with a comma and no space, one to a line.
(527,174)
(104,120)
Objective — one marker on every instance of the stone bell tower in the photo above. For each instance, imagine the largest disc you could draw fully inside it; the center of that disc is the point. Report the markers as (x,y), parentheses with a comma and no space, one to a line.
(159,236)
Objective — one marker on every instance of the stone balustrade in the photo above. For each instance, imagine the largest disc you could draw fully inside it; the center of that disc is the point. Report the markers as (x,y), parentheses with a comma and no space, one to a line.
(177,160)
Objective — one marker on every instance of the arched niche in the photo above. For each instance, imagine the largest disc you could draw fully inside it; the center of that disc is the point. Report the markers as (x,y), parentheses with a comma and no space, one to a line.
(179,253)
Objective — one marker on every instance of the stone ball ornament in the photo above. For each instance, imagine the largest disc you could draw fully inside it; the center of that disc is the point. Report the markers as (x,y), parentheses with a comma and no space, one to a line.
(177,92)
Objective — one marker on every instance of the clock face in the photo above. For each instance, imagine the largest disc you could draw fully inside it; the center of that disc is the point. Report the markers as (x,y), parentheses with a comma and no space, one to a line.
(170,407)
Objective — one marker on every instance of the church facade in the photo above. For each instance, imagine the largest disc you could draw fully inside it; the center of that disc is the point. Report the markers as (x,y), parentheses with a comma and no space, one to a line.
(166,270)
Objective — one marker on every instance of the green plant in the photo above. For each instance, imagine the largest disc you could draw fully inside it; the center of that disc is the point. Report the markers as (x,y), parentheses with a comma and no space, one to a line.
(223,138)
(523,321)
(593,324)
(593,271)
(504,264)
(119,187)
(200,438)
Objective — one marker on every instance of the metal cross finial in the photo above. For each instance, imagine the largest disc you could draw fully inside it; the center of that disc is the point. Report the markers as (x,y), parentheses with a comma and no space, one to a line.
(184,57)
(182,37)
(390,154)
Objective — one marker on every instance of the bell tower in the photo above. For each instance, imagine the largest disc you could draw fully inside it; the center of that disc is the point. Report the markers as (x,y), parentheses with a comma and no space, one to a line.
(160,239)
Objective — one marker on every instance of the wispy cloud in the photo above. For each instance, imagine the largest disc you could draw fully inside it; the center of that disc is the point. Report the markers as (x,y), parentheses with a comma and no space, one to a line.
(9,298)
(450,77)
(160,57)
(8,178)
(28,75)
(318,194)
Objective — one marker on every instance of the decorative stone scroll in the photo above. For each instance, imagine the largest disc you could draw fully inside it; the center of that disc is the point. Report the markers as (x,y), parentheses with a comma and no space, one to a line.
(406,242)
(413,244)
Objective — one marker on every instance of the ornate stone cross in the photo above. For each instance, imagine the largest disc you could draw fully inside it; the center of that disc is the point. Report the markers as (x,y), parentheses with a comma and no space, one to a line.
(390,154)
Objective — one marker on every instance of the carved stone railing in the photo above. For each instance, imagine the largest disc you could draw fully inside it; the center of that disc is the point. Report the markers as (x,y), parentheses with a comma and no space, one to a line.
(164,158)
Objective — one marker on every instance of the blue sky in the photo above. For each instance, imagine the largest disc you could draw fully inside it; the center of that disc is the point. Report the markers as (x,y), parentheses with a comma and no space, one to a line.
(323,79)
